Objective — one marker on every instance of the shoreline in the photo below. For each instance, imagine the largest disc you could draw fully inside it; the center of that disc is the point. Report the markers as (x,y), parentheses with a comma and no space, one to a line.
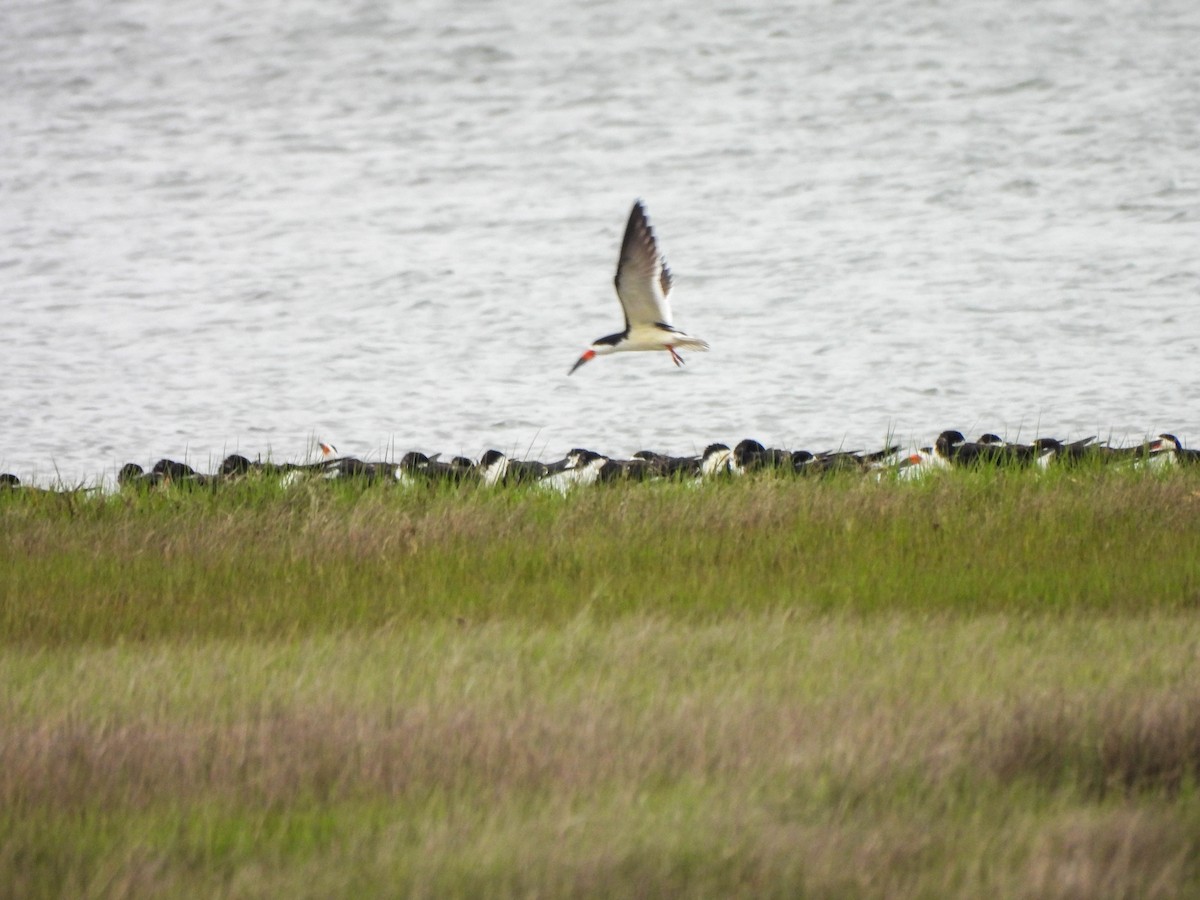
(948,450)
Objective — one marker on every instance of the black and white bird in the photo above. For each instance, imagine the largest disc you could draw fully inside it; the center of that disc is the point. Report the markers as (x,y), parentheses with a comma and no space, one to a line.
(580,467)
(1168,449)
(644,287)
(1052,451)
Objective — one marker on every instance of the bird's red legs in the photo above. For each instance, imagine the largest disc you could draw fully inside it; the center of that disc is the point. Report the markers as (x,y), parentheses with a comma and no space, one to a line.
(675,356)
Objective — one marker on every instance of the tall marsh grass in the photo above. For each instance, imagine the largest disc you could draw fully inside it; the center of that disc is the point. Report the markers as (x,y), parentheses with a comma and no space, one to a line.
(976,685)
(260,560)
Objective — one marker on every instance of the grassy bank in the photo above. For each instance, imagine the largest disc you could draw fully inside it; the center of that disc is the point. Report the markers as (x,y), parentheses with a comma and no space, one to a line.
(980,684)
(255,559)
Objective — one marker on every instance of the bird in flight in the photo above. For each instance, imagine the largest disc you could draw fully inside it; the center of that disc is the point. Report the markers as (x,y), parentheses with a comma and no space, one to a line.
(644,288)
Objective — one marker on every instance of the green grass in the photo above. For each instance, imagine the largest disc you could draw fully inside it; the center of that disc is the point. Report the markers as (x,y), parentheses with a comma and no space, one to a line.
(976,685)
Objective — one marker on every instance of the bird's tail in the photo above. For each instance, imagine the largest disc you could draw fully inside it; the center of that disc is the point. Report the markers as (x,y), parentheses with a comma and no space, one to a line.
(687,342)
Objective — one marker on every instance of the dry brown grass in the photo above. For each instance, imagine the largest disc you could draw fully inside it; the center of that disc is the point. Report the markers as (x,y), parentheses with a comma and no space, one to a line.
(1123,744)
(334,755)
(1111,853)
(846,784)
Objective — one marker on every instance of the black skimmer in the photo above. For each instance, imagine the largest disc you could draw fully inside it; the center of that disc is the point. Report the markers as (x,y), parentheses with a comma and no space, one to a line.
(493,467)
(458,470)
(643,286)
(1106,453)
(717,459)
(580,467)
(833,461)
(165,472)
(1000,450)
(328,465)
(951,447)
(10,483)
(669,466)
(412,464)
(801,459)
(133,475)
(171,470)
(431,468)
(880,458)
(235,464)
(1052,451)
(636,469)
(853,460)
(1168,449)
(496,468)
(828,462)
(353,467)
(1168,443)
(920,463)
(750,455)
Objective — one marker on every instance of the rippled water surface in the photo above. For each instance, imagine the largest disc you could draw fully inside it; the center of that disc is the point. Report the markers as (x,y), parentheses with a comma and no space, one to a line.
(245,226)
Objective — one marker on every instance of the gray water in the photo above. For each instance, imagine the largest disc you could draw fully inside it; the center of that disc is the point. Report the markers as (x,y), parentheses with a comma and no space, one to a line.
(246,226)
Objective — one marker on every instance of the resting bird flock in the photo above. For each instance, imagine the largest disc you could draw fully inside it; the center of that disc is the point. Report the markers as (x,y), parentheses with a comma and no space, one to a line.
(644,287)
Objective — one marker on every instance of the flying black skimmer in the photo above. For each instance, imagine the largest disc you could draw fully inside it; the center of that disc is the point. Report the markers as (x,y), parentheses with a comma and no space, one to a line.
(644,287)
